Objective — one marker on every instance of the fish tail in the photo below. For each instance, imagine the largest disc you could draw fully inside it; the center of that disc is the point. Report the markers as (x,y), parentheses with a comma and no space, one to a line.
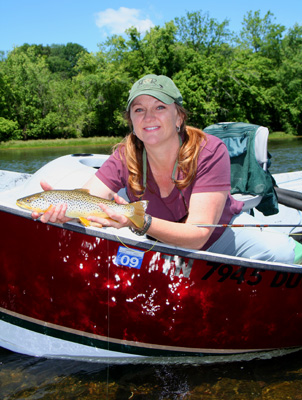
(139,213)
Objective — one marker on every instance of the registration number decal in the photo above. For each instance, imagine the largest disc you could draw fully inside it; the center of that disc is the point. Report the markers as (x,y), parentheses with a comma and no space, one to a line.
(224,272)
(129,257)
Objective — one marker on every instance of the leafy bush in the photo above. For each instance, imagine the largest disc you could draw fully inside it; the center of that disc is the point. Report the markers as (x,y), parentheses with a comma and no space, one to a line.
(9,130)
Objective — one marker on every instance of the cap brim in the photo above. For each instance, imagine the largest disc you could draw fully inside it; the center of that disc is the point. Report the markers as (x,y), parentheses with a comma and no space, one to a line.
(158,95)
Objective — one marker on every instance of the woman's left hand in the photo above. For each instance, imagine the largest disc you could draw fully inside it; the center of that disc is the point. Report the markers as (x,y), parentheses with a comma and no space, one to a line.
(114,219)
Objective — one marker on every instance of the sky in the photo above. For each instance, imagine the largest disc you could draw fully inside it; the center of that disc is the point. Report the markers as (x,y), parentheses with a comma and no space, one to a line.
(90,22)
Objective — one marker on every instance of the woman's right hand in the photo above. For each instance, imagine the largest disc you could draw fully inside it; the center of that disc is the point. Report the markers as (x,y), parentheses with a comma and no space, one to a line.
(55,214)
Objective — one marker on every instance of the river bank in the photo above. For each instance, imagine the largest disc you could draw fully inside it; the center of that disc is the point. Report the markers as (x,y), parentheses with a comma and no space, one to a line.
(283,136)
(42,143)
(99,141)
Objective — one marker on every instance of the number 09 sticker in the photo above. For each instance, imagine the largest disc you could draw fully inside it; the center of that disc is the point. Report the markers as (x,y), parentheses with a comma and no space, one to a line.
(129,257)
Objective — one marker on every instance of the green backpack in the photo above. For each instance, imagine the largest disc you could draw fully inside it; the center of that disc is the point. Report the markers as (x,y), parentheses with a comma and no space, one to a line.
(247,146)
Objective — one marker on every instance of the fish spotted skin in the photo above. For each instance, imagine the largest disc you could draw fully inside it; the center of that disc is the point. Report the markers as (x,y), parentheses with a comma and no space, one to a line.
(81,204)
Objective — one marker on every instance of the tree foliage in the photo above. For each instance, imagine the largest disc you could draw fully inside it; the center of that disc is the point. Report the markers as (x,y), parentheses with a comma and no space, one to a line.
(64,91)
(202,33)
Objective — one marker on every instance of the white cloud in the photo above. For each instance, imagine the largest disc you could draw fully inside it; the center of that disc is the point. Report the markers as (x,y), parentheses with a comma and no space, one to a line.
(117,21)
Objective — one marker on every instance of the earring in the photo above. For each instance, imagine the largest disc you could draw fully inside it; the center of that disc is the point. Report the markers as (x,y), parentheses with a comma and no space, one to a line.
(134,134)
(178,129)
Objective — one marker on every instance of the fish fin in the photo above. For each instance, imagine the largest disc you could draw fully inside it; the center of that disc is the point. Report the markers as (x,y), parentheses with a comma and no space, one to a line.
(84,221)
(82,190)
(49,208)
(138,217)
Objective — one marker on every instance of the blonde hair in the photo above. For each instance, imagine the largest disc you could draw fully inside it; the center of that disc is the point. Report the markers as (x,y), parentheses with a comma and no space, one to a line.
(132,147)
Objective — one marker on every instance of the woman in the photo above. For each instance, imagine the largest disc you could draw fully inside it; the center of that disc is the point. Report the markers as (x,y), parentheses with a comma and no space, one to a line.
(185,175)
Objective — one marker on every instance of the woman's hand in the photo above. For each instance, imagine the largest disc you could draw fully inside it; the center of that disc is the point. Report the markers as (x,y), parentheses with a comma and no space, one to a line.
(114,219)
(55,214)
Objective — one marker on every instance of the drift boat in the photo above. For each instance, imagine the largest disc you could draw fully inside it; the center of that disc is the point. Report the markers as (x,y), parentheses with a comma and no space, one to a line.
(83,292)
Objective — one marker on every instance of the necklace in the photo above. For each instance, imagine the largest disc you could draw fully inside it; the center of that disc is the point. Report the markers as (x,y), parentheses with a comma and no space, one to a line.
(173,177)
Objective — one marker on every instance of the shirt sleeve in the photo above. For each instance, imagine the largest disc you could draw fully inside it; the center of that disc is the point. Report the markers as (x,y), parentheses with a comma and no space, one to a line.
(113,173)
(214,167)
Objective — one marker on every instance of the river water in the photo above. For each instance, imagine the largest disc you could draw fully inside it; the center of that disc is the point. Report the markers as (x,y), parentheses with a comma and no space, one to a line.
(23,377)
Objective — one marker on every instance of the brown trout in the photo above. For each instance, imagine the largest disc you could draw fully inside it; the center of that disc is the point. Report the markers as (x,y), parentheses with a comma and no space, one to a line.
(81,204)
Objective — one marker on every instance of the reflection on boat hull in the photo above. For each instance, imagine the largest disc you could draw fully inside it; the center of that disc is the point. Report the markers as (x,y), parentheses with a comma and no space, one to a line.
(81,291)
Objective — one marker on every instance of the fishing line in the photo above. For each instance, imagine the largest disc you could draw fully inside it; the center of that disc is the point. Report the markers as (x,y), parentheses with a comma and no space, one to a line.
(132,249)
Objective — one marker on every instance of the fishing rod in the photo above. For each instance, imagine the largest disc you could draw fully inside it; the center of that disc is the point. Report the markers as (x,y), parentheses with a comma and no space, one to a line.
(248,225)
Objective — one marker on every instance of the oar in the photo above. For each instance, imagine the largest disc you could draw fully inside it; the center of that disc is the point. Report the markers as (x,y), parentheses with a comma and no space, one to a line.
(289,198)
(287,192)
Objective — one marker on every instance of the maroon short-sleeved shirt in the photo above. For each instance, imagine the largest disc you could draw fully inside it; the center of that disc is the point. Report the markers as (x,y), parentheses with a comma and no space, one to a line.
(213,174)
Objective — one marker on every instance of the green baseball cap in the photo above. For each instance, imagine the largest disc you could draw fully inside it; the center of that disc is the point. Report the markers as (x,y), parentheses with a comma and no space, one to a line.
(159,86)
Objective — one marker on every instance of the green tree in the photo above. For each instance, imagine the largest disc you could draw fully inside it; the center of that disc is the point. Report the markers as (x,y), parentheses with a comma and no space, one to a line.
(104,86)
(162,51)
(288,91)
(202,33)
(27,81)
(63,91)
(244,89)
(5,95)
(62,59)
(9,130)
(197,83)
(43,105)
(261,35)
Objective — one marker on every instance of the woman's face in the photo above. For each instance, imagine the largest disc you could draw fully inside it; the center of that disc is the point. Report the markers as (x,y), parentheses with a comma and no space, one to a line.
(154,122)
